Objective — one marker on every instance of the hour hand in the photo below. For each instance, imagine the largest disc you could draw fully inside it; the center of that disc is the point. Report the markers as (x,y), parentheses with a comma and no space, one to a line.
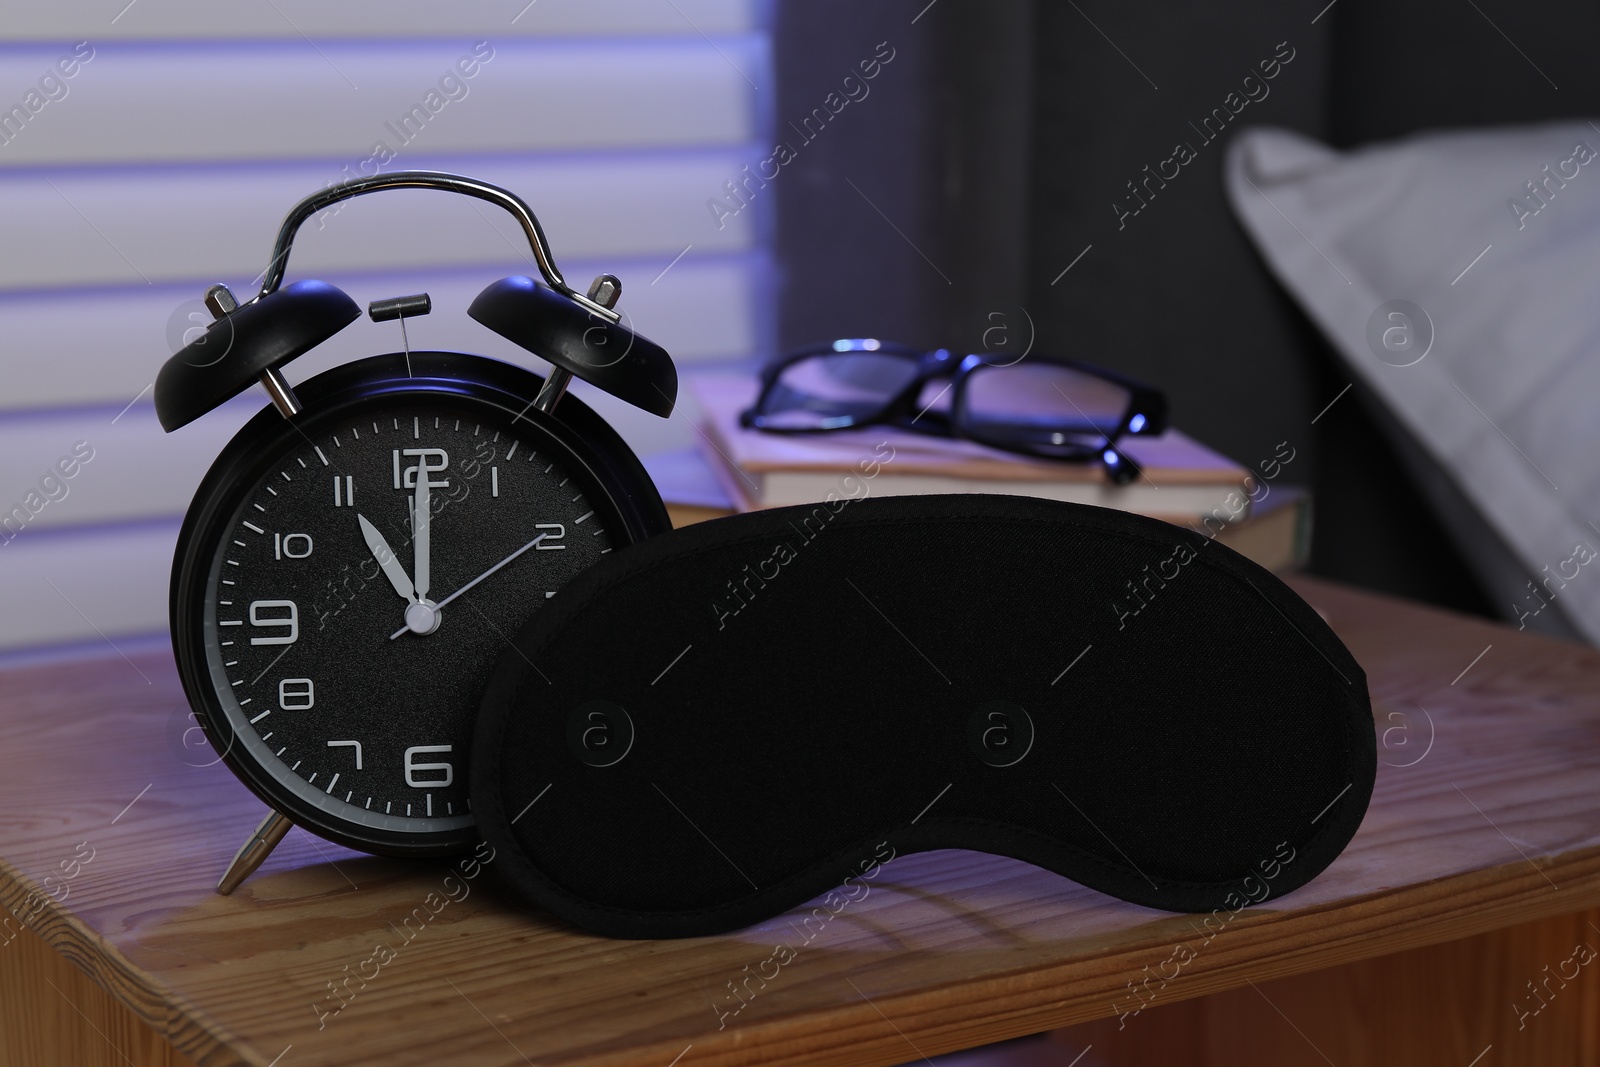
(385,557)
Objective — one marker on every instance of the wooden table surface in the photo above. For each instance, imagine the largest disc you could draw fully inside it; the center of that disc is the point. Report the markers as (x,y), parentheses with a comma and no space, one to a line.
(1486,814)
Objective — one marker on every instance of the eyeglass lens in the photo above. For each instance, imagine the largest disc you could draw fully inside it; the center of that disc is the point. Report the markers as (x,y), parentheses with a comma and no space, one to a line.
(836,389)
(1042,407)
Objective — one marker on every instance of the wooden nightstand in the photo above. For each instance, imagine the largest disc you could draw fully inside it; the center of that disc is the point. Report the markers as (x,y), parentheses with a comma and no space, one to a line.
(1483,841)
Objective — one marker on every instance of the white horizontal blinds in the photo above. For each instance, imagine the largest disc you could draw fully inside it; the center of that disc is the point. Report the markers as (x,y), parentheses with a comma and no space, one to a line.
(62,348)
(376,20)
(154,148)
(137,102)
(135,227)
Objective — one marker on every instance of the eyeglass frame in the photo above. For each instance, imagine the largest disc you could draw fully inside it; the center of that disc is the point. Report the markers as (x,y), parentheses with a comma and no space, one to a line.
(1144,401)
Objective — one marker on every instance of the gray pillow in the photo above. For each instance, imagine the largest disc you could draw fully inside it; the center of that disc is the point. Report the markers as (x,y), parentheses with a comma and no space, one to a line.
(1456,274)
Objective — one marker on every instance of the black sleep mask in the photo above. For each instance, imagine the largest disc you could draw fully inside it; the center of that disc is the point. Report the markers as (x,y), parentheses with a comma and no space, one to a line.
(713,726)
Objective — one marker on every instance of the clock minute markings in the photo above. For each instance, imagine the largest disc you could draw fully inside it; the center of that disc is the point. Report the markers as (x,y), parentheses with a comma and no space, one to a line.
(325,458)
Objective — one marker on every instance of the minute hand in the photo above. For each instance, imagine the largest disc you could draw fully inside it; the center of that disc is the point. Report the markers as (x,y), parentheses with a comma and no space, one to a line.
(478,579)
(421,529)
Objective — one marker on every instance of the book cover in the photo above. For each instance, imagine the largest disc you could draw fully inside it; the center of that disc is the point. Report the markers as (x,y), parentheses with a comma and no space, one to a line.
(1182,481)
(1277,535)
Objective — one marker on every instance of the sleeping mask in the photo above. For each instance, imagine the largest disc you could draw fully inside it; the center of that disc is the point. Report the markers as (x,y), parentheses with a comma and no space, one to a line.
(715,725)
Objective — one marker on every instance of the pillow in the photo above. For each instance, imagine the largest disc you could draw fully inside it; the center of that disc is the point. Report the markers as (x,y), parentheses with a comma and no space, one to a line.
(1455,274)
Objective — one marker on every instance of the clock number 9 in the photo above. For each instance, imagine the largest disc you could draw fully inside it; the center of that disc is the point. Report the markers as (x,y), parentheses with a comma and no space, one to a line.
(290,622)
(414,768)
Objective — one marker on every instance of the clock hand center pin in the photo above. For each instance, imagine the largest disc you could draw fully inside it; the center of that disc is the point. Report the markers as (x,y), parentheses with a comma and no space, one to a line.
(437,607)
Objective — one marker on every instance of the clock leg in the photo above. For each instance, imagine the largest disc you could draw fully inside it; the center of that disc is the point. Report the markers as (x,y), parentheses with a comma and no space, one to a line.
(254,851)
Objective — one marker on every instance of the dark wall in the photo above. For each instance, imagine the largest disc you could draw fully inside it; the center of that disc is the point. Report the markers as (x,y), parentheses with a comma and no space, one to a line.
(907,218)
(1422,64)
(999,144)
(848,253)
(1171,292)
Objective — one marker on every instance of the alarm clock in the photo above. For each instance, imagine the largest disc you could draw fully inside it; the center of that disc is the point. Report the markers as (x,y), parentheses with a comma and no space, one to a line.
(355,561)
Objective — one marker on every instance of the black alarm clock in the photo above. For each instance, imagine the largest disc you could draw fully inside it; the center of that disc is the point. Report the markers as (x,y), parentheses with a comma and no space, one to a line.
(355,560)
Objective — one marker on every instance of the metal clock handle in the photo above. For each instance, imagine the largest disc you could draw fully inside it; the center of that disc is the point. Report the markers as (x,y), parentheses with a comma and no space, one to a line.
(600,299)
(430,179)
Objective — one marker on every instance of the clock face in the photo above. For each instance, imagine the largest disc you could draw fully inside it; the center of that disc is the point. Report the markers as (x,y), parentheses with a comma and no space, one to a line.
(361,585)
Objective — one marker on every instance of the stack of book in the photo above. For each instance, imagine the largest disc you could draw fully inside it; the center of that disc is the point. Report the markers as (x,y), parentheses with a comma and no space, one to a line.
(1184,482)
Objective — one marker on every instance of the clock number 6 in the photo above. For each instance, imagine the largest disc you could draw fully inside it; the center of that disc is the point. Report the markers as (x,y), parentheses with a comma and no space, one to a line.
(290,622)
(413,768)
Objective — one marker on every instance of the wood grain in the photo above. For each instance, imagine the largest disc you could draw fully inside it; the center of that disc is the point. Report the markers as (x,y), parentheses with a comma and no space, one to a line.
(1496,824)
(1445,1005)
(69,1019)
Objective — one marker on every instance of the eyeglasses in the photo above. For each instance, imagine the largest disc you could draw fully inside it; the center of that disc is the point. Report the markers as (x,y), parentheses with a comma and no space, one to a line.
(1046,406)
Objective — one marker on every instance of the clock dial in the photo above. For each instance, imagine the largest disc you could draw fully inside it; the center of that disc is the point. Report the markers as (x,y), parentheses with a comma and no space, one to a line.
(348,638)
